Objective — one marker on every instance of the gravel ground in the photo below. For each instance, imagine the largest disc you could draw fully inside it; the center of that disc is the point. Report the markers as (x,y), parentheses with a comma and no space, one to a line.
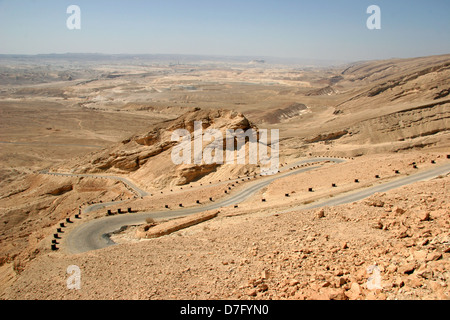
(402,235)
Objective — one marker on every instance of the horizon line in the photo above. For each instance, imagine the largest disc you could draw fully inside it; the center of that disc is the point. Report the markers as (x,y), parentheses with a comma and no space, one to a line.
(198,55)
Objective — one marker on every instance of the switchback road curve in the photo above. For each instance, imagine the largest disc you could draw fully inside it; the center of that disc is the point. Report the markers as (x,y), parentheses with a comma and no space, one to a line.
(93,235)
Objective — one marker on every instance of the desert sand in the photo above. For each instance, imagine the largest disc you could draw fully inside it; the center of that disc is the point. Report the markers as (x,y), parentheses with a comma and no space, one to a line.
(388,119)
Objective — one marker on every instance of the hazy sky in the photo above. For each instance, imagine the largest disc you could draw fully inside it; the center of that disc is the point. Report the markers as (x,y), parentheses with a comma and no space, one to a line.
(319,29)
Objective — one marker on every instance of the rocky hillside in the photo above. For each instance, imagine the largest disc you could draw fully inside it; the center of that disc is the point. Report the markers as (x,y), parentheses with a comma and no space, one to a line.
(398,81)
(385,106)
(147,157)
(32,205)
(394,245)
(288,112)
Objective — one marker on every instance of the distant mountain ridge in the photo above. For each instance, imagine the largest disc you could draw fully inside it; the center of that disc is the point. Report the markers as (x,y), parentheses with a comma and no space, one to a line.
(171,58)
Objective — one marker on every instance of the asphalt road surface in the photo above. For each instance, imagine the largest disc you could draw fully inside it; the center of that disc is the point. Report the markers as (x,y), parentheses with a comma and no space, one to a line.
(367,192)
(94,234)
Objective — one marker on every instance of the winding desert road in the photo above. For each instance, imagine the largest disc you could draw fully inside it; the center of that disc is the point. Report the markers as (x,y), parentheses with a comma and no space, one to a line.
(367,192)
(93,235)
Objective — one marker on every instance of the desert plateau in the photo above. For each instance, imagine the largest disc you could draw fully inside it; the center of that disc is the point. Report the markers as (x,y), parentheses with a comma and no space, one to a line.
(357,210)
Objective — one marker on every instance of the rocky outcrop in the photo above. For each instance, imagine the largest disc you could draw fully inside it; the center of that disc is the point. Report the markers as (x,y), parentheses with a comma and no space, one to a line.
(442,94)
(147,157)
(327,91)
(190,173)
(61,190)
(132,153)
(406,125)
(399,81)
(328,136)
(282,114)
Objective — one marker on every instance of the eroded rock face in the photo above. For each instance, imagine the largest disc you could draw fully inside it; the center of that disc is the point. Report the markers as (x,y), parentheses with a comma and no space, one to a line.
(132,153)
(148,156)
(61,190)
(189,173)
(329,136)
(286,113)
